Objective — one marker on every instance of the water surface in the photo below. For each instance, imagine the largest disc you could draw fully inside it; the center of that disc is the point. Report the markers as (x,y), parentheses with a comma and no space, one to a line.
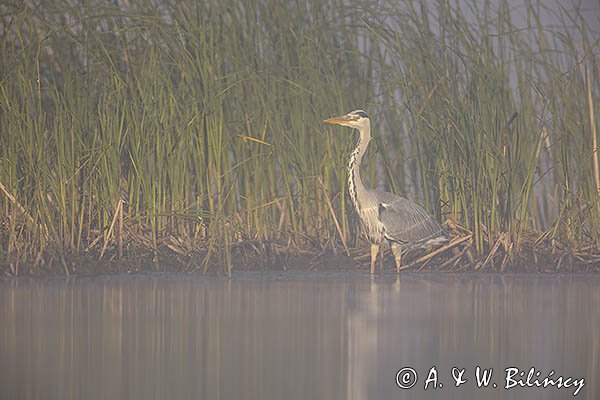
(295,335)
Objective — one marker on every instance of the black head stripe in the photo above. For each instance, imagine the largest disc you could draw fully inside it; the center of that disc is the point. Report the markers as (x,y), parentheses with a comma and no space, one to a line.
(361,113)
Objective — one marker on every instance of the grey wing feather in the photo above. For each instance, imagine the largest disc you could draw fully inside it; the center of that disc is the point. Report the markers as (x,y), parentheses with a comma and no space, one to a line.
(406,222)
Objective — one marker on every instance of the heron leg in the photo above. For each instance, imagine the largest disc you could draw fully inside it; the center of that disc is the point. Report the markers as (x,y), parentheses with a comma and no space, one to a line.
(397,251)
(374,251)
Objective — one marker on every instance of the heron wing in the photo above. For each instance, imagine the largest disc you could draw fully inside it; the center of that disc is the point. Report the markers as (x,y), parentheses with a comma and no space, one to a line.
(406,222)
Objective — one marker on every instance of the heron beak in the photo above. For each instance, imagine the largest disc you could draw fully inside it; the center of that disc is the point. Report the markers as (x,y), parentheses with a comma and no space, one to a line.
(337,120)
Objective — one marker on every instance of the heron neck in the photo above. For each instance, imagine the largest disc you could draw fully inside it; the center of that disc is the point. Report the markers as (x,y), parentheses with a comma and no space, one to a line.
(355,185)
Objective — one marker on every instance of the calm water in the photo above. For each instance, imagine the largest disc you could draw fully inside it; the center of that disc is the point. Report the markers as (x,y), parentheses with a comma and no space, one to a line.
(295,336)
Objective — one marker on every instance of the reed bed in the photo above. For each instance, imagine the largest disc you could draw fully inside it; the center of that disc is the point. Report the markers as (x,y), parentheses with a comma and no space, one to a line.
(193,130)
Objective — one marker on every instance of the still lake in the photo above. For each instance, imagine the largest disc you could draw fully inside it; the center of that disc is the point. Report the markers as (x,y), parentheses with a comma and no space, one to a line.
(292,335)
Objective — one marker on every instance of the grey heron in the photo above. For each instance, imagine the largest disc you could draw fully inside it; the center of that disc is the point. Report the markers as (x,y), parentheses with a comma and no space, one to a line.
(383,215)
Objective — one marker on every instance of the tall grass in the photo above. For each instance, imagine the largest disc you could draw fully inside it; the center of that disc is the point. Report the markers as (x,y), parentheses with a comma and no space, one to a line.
(199,123)
(497,115)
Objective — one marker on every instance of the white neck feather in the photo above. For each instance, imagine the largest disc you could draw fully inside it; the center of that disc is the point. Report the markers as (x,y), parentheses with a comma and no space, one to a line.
(355,186)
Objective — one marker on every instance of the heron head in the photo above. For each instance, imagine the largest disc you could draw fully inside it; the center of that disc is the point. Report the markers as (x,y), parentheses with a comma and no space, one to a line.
(354,119)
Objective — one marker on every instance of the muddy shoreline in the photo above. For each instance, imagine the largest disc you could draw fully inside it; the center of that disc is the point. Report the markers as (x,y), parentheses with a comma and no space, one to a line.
(278,258)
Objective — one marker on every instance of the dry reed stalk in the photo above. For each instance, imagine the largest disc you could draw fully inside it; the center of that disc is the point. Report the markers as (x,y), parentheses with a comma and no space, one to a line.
(453,243)
(112,226)
(16,204)
(501,239)
(454,259)
(335,220)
